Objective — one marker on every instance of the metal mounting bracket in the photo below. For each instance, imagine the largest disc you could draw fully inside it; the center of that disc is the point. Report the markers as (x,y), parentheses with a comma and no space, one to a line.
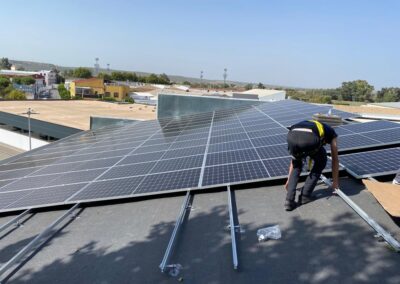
(381,232)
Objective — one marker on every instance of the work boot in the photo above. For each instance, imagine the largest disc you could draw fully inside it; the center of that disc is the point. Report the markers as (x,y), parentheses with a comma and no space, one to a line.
(290,205)
(304,199)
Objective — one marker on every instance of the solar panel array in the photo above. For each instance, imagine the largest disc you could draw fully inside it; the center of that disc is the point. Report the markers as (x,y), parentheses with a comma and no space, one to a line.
(372,163)
(197,151)
(369,134)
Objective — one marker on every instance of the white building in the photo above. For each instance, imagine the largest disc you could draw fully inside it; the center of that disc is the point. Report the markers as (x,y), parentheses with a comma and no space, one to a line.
(262,95)
(50,77)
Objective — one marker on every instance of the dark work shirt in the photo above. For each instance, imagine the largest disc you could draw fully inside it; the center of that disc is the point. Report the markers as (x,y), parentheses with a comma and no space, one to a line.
(329,132)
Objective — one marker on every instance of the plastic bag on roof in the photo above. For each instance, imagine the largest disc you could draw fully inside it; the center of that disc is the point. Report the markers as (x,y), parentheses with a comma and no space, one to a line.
(272,232)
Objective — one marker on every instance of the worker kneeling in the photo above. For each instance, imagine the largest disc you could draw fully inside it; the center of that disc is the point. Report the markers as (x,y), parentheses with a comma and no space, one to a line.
(307,139)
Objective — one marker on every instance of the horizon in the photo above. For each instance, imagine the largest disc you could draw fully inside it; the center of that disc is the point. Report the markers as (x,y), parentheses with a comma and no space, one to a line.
(305,45)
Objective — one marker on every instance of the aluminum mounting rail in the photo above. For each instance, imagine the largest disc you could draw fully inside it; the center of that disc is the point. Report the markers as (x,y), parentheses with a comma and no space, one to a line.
(232,227)
(165,266)
(381,231)
(33,245)
(15,220)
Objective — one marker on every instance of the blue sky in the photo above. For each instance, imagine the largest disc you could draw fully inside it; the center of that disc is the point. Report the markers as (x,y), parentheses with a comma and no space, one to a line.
(292,43)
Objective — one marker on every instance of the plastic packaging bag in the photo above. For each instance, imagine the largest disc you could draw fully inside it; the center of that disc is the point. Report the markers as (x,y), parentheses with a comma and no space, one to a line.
(272,232)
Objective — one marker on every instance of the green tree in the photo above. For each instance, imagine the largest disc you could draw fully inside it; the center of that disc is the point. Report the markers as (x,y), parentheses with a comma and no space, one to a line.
(4,82)
(388,95)
(129,76)
(358,90)
(104,76)
(248,86)
(15,95)
(164,79)
(27,81)
(260,86)
(118,76)
(5,64)
(82,72)
(63,92)
(152,79)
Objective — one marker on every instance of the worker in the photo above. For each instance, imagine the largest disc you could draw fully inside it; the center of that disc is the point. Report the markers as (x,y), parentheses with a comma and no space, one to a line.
(307,139)
(396,179)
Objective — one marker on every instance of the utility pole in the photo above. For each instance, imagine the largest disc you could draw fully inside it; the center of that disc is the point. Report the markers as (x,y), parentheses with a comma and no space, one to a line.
(29,112)
(225,75)
(201,79)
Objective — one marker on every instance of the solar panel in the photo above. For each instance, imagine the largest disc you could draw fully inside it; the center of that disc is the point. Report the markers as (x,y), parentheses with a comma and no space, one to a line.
(196,151)
(233,173)
(368,134)
(372,163)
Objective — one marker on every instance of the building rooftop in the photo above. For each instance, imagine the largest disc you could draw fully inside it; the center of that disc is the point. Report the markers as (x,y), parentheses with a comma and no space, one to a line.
(322,242)
(369,109)
(124,226)
(7,151)
(262,92)
(76,113)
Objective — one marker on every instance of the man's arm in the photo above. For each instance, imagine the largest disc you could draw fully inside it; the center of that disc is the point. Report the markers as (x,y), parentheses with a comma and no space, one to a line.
(290,171)
(335,164)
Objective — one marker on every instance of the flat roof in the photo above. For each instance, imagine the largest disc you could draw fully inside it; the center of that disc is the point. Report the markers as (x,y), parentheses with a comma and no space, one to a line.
(322,242)
(369,109)
(7,151)
(76,113)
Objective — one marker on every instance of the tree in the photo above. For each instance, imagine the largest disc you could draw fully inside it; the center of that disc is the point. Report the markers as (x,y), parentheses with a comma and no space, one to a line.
(82,72)
(248,86)
(129,76)
(27,81)
(186,83)
(260,86)
(4,82)
(63,92)
(105,76)
(15,95)
(358,90)
(388,95)
(5,64)
(152,79)
(164,79)
(118,76)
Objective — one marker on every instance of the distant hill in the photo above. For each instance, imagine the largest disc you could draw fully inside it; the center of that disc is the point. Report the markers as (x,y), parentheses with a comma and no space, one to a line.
(35,66)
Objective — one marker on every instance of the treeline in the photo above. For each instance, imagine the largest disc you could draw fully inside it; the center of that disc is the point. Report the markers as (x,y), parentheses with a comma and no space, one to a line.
(133,77)
(356,91)
(85,73)
(8,92)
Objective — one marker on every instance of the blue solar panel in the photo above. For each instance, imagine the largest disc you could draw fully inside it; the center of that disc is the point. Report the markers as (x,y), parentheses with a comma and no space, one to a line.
(372,163)
(228,146)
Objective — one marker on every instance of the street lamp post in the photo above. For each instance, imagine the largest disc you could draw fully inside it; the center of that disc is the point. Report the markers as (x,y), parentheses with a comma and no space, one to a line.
(29,112)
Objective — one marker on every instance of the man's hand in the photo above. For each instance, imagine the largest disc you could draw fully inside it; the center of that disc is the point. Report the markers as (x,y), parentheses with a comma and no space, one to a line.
(286,184)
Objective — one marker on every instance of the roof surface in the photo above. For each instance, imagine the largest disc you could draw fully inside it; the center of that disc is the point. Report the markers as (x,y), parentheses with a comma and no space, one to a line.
(7,151)
(322,242)
(262,92)
(76,113)
(369,109)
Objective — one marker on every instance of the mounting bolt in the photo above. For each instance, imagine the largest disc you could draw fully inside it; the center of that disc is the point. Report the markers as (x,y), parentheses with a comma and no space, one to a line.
(174,269)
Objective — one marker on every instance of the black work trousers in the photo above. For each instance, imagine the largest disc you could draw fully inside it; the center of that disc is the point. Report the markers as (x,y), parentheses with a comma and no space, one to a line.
(319,159)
